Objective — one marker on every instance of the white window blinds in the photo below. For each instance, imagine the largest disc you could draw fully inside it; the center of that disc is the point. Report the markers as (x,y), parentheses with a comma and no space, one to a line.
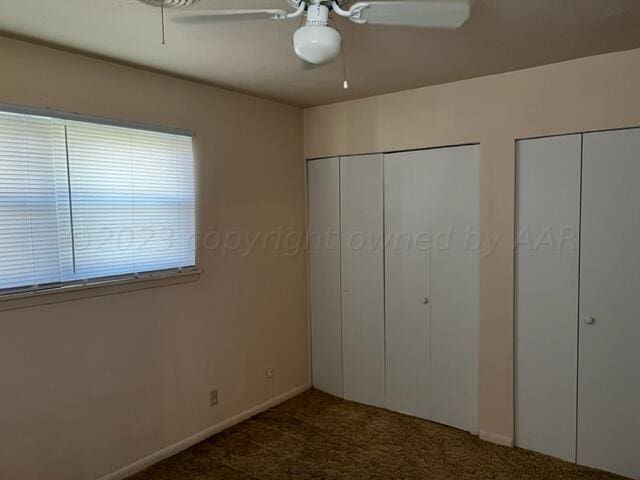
(81,201)
(29,250)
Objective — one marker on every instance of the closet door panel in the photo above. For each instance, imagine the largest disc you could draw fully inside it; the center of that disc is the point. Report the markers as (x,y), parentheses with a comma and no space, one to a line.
(324,274)
(361,199)
(454,279)
(407,283)
(609,368)
(547,258)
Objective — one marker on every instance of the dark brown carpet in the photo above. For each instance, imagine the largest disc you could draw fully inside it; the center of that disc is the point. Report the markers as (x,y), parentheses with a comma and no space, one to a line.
(317,436)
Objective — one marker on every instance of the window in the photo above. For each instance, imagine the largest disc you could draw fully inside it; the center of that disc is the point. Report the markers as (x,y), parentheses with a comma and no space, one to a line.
(81,201)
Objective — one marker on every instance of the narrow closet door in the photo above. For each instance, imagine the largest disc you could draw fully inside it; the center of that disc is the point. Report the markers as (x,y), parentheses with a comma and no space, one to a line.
(547,258)
(609,361)
(361,200)
(454,283)
(324,273)
(407,283)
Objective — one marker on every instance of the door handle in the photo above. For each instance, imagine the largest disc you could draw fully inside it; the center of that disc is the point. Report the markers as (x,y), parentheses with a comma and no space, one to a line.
(588,320)
(424,301)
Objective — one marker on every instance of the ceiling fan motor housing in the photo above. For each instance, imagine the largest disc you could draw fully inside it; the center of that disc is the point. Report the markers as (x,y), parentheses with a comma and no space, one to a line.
(316,42)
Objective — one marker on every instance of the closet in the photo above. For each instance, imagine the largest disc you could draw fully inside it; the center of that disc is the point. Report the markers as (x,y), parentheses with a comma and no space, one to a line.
(577,298)
(394,303)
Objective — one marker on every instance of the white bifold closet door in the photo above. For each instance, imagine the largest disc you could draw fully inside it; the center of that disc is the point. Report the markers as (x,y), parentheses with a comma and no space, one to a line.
(362,242)
(407,288)
(578,298)
(609,338)
(431,283)
(548,226)
(324,274)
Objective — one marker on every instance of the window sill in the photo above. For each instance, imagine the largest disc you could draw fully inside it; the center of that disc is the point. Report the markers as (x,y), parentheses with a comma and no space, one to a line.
(70,293)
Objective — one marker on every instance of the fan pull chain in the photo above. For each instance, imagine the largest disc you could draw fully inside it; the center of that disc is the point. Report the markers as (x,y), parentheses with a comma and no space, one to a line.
(162,20)
(345,83)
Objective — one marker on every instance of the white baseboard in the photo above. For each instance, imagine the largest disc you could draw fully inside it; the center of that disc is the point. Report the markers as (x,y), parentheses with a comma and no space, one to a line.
(496,438)
(166,452)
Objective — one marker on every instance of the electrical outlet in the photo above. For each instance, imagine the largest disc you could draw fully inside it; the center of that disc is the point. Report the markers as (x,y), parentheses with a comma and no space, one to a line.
(213,397)
(270,373)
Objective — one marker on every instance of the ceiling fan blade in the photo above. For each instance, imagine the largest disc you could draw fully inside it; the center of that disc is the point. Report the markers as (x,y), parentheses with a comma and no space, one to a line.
(417,13)
(209,16)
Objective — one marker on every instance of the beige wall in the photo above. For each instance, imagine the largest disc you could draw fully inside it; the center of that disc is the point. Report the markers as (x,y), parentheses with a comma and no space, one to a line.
(586,94)
(90,386)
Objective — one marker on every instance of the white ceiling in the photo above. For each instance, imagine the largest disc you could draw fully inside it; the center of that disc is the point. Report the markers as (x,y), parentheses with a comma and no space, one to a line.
(257,57)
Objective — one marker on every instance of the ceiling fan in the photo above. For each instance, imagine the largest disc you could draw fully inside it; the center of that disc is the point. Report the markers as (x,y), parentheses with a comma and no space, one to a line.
(316,42)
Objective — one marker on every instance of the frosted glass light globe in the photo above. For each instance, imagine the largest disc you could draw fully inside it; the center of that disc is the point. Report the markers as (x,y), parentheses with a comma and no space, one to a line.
(317,44)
